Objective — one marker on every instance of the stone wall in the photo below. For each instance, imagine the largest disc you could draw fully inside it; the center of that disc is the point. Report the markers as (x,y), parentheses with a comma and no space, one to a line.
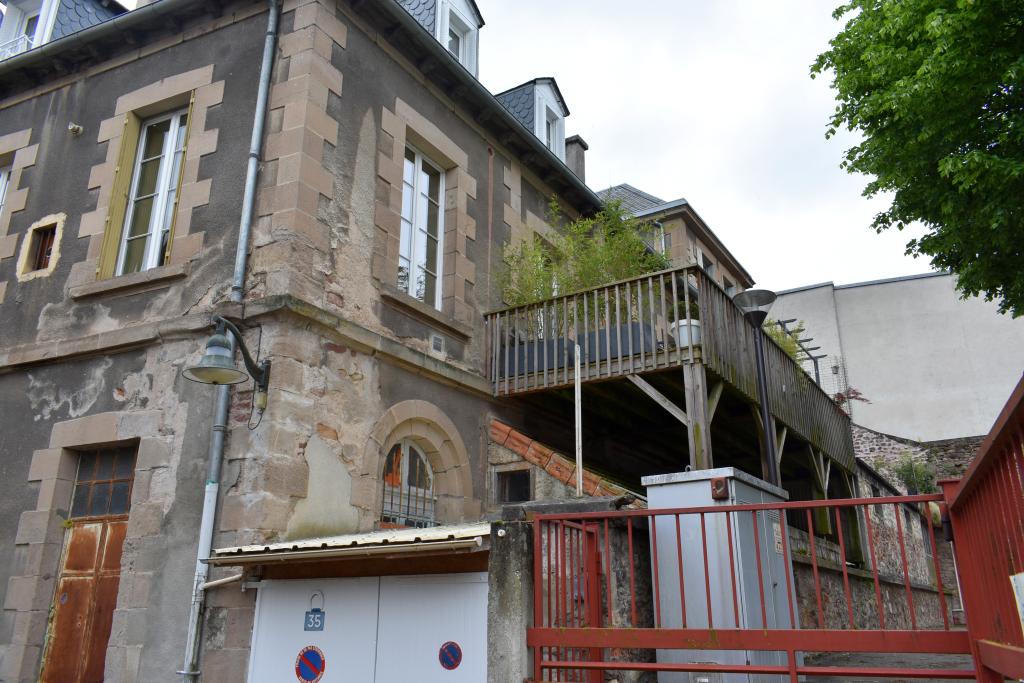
(948,458)
(835,613)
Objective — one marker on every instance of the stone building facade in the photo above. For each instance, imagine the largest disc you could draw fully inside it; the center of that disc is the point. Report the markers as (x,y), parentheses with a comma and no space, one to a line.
(377,137)
(94,342)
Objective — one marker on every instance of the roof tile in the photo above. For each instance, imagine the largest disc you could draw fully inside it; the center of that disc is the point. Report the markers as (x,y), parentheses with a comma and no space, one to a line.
(633,200)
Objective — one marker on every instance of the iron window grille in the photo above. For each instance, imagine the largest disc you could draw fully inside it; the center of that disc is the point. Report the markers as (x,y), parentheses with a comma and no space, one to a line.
(408,488)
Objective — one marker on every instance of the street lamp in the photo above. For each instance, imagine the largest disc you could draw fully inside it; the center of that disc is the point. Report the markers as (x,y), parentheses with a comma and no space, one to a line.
(755,304)
(218,365)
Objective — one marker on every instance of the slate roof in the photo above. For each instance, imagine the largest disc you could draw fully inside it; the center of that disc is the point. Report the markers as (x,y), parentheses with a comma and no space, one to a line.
(520,101)
(77,15)
(633,200)
(423,11)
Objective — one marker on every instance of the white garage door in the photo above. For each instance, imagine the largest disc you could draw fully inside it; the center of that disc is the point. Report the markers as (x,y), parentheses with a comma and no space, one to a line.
(374,630)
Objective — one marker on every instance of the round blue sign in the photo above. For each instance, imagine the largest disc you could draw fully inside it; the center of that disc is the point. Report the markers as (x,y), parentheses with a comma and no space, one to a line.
(310,664)
(450,655)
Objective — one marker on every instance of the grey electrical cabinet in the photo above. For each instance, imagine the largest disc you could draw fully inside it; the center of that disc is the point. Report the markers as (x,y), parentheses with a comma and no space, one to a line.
(694,489)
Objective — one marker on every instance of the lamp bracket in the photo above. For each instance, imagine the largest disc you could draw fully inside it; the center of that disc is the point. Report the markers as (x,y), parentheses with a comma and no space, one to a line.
(260,372)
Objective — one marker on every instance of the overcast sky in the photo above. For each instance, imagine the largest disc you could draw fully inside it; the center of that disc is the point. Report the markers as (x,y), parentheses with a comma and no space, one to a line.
(711,101)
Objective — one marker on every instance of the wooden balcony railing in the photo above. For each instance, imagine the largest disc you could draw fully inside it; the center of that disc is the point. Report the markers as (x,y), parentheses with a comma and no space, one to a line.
(728,349)
(621,328)
(651,323)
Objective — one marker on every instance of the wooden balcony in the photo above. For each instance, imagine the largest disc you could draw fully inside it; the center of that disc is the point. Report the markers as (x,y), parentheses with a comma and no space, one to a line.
(647,327)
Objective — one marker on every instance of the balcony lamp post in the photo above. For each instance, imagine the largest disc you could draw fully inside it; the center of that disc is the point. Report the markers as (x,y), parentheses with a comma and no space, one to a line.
(218,364)
(755,304)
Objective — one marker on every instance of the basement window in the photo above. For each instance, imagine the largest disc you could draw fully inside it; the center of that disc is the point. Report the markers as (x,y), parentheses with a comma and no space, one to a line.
(513,485)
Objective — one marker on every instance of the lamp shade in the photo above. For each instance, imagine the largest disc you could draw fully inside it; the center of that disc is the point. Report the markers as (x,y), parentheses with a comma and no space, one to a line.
(217,365)
(755,304)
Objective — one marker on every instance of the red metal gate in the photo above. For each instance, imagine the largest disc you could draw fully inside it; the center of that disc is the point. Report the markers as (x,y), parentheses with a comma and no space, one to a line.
(868,575)
(986,509)
(908,610)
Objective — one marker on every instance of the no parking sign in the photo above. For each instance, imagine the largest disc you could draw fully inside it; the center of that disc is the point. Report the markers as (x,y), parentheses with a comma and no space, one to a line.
(450,655)
(310,664)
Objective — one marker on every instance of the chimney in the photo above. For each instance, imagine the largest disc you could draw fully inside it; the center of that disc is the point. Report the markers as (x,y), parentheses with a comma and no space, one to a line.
(575,149)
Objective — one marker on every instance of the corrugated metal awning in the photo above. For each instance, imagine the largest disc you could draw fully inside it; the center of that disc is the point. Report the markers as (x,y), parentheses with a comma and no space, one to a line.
(438,539)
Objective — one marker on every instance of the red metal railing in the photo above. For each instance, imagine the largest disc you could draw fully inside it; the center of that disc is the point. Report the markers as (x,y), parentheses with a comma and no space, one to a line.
(986,509)
(609,595)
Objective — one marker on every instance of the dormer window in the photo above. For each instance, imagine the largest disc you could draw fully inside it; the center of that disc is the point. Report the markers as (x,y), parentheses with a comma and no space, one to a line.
(28,24)
(550,118)
(459,32)
(540,107)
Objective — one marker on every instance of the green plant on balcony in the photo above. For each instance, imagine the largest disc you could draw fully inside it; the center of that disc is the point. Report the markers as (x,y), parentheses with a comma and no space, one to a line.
(581,254)
(786,340)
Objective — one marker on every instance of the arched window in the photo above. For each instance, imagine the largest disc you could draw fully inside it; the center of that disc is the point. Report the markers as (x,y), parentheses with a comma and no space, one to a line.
(408,483)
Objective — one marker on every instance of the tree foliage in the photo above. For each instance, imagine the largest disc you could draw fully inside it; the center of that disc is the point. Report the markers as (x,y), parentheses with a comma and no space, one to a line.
(934,87)
(589,252)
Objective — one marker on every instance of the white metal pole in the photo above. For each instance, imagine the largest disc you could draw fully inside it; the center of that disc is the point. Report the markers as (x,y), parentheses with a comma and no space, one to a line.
(579,425)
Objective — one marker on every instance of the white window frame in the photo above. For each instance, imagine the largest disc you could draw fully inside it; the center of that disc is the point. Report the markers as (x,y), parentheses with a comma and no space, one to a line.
(5,183)
(24,25)
(414,227)
(460,34)
(166,192)
(549,113)
(550,128)
(451,19)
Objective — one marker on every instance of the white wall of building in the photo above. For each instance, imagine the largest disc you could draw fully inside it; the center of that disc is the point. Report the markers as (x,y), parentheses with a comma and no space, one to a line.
(933,366)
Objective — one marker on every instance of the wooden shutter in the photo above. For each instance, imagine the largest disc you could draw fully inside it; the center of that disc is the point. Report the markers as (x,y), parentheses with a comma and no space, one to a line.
(114,224)
(181,173)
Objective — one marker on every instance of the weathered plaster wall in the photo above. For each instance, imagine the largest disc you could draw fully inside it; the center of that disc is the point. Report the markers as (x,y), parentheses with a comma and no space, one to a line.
(135,398)
(64,178)
(933,366)
(68,381)
(353,369)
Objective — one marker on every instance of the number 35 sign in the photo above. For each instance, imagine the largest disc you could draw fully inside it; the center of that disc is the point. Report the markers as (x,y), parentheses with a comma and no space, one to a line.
(316,616)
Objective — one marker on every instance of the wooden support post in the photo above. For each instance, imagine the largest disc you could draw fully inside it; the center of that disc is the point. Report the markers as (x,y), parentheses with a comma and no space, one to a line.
(780,443)
(659,398)
(822,468)
(855,537)
(698,433)
(713,397)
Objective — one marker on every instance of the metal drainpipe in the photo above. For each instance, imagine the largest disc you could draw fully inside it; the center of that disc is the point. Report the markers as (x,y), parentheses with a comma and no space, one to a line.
(190,672)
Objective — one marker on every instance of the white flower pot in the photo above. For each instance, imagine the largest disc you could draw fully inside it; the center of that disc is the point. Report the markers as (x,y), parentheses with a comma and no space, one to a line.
(687,331)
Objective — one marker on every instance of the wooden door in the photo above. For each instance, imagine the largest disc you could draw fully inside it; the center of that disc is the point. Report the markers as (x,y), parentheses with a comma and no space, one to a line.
(90,572)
